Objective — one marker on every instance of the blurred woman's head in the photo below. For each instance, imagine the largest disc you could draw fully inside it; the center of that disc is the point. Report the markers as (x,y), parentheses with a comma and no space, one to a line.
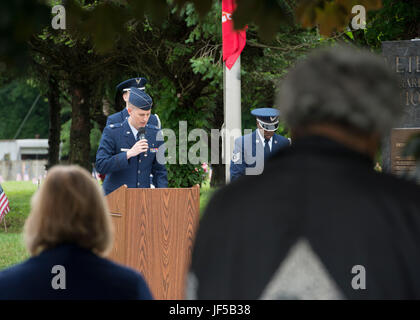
(69,208)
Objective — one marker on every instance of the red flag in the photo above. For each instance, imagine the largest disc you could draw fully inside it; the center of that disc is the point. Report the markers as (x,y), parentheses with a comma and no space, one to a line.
(233,41)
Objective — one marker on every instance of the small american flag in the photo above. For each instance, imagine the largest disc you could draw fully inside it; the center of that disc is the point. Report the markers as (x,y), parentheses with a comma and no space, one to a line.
(4,204)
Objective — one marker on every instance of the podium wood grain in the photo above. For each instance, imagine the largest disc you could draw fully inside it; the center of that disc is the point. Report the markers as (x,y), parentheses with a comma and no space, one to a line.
(154,234)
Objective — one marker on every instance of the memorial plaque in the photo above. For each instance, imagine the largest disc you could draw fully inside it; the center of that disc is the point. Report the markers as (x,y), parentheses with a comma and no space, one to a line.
(403,57)
(402,165)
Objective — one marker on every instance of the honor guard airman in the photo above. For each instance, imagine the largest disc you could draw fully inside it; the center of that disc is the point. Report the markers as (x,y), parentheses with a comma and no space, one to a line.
(252,150)
(121,99)
(128,156)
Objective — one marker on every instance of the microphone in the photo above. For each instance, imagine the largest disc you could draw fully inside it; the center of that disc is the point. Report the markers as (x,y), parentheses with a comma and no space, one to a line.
(142,135)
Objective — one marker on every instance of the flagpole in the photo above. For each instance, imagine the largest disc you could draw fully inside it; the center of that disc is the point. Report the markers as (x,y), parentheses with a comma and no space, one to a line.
(232,111)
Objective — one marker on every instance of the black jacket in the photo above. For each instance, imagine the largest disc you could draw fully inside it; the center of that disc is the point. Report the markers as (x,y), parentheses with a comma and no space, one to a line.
(326,196)
(87,276)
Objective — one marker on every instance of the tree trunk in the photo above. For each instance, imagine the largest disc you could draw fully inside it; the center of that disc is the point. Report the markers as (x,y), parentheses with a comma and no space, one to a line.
(54,122)
(97,113)
(80,128)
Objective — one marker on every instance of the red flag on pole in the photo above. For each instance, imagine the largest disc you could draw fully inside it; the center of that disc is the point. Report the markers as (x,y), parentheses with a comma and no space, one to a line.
(233,41)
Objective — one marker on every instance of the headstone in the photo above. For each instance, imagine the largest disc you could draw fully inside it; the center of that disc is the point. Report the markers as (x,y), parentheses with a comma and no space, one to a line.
(403,57)
(401,164)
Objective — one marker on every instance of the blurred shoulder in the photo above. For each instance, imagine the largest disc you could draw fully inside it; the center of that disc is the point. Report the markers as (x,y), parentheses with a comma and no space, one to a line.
(114,127)
(11,271)
(400,186)
(125,275)
(280,137)
(115,117)
(154,120)
(152,127)
(283,139)
(246,137)
(15,278)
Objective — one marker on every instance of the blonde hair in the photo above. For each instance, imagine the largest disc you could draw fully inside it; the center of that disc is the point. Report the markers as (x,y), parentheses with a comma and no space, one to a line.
(69,208)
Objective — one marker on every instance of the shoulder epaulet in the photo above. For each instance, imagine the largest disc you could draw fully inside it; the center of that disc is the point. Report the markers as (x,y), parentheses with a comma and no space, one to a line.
(247,136)
(158,121)
(115,125)
(152,126)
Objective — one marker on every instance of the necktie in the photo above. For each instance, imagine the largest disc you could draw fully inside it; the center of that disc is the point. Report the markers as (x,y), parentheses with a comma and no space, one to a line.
(266,149)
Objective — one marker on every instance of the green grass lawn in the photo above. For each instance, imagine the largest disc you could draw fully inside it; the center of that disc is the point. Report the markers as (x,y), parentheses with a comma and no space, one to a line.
(205,194)
(12,249)
(19,194)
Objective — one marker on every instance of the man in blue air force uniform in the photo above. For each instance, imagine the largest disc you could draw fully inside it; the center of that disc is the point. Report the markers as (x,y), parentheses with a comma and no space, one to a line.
(121,98)
(252,150)
(123,157)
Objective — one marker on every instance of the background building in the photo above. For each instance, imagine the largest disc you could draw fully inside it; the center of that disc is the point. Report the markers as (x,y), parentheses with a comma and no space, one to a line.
(23,159)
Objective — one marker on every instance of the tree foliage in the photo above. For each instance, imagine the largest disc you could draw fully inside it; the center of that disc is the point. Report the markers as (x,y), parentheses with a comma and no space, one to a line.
(181,56)
(396,20)
(104,21)
(176,45)
(16,98)
(331,16)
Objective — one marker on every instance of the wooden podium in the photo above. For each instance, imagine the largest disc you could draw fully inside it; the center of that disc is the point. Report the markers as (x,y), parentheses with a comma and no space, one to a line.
(154,234)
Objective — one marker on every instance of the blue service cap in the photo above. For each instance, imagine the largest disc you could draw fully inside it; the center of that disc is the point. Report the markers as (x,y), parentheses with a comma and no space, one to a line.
(133,82)
(268,118)
(140,99)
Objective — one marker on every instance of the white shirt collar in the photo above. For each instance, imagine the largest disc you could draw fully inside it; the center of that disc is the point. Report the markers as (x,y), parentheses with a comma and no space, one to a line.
(134,130)
(270,142)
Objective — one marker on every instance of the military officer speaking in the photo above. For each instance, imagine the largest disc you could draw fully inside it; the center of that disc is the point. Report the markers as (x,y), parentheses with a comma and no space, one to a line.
(252,150)
(121,98)
(123,156)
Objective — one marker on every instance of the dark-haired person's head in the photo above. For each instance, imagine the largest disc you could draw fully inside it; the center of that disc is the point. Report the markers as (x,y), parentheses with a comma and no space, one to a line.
(344,93)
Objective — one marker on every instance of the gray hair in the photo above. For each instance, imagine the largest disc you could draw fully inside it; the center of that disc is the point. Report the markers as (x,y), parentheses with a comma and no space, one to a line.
(344,86)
